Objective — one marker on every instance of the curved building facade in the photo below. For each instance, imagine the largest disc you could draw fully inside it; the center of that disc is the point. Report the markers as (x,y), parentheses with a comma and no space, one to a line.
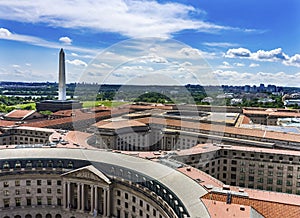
(58,182)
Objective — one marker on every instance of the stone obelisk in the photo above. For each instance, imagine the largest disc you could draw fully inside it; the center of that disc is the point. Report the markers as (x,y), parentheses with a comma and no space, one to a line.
(62,77)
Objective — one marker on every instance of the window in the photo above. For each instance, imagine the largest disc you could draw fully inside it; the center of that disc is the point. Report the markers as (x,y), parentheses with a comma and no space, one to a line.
(118,193)
(6,202)
(270,181)
(141,203)
(5,184)
(39,182)
(17,191)
(133,209)
(289,183)
(48,190)
(126,195)
(39,200)
(261,180)
(28,182)
(148,207)
(18,202)
(58,191)
(58,182)
(154,212)
(270,173)
(58,201)
(119,202)
(28,191)
(6,193)
(290,168)
(133,199)
(28,201)
(251,178)
(233,162)
(39,190)
(279,182)
(49,201)
(126,204)
(49,182)
(17,183)
(141,213)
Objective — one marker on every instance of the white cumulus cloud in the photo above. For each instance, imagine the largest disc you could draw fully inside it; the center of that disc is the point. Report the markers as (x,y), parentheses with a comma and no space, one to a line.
(293,61)
(77,62)
(65,40)
(4,33)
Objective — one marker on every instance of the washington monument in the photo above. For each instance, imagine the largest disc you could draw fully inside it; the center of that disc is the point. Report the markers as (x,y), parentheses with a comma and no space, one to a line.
(62,77)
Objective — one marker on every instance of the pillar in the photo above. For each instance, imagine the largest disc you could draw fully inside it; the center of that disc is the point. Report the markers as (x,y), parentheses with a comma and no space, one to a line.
(92,198)
(96,198)
(82,197)
(69,194)
(105,202)
(78,196)
(65,202)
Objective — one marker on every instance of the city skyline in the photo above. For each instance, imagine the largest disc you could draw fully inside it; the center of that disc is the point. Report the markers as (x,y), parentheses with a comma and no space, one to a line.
(241,42)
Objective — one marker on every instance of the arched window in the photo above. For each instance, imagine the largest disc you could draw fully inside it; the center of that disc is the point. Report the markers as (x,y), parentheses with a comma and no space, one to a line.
(18,216)
(38,216)
(6,165)
(39,164)
(49,164)
(29,164)
(48,216)
(18,164)
(57,216)
(28,216)
(60,164)
(70,165)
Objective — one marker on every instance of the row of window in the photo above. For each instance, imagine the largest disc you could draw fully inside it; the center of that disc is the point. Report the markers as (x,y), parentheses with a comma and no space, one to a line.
(38,164)
(39,201)
(39,182)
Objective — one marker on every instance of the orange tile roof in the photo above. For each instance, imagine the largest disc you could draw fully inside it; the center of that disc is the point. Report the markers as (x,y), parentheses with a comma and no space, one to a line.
(269,209)
(19,114)
(118,124)
(219,209)
(210,128)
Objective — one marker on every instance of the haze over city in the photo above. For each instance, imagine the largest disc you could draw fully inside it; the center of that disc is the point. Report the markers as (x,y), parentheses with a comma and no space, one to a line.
(241,42)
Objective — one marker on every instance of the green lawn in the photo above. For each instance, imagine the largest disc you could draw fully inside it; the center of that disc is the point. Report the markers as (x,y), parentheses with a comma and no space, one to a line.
(28,106)
(88,104)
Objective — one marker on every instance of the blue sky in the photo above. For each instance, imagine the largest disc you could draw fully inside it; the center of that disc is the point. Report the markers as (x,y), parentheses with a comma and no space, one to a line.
(208,42)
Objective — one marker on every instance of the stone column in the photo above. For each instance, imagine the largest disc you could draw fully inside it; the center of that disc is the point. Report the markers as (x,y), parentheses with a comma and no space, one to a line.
(78,196)
(82,197)
(108,202)
(92,198)
(65,202)
(96,198)
(105,202)
(69,194)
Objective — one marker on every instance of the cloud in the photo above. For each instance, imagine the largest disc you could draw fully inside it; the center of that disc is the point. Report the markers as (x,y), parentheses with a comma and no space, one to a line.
(142,18)
(102,65)
(293,61)
(243,78)
(77,62)
(220,44)
(4,33)
(275,55)
(65,40)
(238,52)
(254,65)
(8,35)
(239,64)
(261,55)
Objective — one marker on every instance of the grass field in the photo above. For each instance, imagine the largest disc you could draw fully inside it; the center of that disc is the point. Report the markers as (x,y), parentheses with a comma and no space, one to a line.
(23,106)
(88,104)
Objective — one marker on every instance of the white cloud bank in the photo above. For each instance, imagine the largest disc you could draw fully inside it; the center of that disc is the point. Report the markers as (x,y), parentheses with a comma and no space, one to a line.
(232,77)
(262,55)
(130,18)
